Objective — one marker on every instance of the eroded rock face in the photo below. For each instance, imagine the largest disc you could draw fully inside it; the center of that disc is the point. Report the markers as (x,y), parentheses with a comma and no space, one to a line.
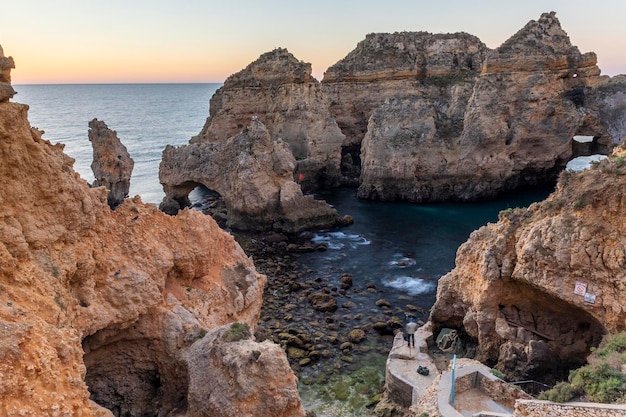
(513,288)
(107,304)
(6,64)
(282,93)
(112,165)
(479,135)
(254,175)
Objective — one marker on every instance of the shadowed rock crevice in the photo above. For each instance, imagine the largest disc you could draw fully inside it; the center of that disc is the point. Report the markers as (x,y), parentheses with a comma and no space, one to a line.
(133,375)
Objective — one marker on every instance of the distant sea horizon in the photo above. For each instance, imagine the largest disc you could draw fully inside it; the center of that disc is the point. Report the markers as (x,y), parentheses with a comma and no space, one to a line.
(146,116)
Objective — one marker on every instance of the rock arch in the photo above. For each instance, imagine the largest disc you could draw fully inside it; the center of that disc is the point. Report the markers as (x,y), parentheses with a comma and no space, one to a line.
(255,176)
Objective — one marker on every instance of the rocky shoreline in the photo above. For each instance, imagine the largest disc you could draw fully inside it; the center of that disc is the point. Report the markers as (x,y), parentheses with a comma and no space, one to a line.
(331,330)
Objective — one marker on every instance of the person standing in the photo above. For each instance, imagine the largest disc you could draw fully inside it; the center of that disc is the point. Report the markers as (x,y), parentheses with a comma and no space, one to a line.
(411,327)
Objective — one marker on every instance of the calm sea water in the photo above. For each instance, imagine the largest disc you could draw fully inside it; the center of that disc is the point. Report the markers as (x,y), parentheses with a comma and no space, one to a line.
(146,117)
(401,248)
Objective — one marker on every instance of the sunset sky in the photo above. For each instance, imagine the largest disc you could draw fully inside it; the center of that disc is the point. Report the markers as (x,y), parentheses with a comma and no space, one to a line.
(106,41)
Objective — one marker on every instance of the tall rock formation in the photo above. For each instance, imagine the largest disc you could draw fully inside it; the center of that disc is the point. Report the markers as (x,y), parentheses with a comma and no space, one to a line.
(112,165)
(253,174)
(110,304)
(386,72)
(6,64)
(539,288)
(282,93)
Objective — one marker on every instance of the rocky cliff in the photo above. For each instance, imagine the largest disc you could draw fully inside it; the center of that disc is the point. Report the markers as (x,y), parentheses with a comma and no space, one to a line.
(254,176)
(112,165)
(492,121)
(538,289)
(110,305)
(282,93)
(428,117)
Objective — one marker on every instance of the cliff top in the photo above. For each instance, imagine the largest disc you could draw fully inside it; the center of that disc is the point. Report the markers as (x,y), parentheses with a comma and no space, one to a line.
(272,68)
(542,36)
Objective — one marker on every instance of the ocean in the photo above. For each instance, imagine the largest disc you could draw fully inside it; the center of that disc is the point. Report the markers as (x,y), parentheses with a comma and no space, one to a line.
(400,248)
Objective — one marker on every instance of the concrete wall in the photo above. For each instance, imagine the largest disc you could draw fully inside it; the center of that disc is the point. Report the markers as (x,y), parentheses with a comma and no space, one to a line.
(536,408)
(398,390)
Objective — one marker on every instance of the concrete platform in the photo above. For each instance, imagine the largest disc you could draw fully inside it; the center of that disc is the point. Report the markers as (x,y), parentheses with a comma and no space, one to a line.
(404,384)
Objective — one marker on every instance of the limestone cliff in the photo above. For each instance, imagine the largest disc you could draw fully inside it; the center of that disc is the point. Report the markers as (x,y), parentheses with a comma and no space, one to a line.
(112,165)
(282,93)
(538,289)
(110,304)
(510,125)
(254,176)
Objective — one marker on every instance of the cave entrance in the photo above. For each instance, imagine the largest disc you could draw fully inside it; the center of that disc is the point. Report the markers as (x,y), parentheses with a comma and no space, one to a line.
(210,202)
(351,163)
(132,376)
(543,337)
(535,335)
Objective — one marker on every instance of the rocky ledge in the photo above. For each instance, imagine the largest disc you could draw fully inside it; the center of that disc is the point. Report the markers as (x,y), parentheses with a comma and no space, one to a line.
(536,291)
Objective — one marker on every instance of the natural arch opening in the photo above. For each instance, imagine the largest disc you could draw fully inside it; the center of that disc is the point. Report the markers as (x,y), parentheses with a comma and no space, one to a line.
(132,376)
(210,202)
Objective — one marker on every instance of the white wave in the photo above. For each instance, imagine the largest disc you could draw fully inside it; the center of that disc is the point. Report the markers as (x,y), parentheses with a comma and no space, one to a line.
(339,240)
(412,285)
(401,261)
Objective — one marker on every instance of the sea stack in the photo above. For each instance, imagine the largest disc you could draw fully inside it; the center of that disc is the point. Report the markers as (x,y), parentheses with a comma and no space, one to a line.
(6,64)
(112,165)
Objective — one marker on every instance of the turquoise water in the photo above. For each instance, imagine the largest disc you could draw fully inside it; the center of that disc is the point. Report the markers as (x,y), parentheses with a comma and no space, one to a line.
(404,248)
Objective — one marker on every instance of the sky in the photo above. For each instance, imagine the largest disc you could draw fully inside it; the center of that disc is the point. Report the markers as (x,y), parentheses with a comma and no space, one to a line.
(157,41)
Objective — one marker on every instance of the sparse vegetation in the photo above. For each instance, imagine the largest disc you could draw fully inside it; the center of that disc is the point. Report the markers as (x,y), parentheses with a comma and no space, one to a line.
(601,380)
(561,393)
(497,373)
(238,331)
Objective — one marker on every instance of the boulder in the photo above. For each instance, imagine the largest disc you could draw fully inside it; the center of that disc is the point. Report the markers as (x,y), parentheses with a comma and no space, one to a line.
(323,302)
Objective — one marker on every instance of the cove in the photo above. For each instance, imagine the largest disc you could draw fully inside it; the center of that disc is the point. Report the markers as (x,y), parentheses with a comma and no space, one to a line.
(395,253)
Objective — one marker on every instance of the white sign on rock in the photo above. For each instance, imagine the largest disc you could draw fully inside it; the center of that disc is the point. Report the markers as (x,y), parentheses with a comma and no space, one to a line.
(580,288)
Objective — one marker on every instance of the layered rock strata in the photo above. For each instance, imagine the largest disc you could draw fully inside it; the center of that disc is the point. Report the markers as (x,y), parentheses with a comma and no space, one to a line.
(254,176)
(112,165)
(110,305)
(537,290)
(510,125)
(282,93)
